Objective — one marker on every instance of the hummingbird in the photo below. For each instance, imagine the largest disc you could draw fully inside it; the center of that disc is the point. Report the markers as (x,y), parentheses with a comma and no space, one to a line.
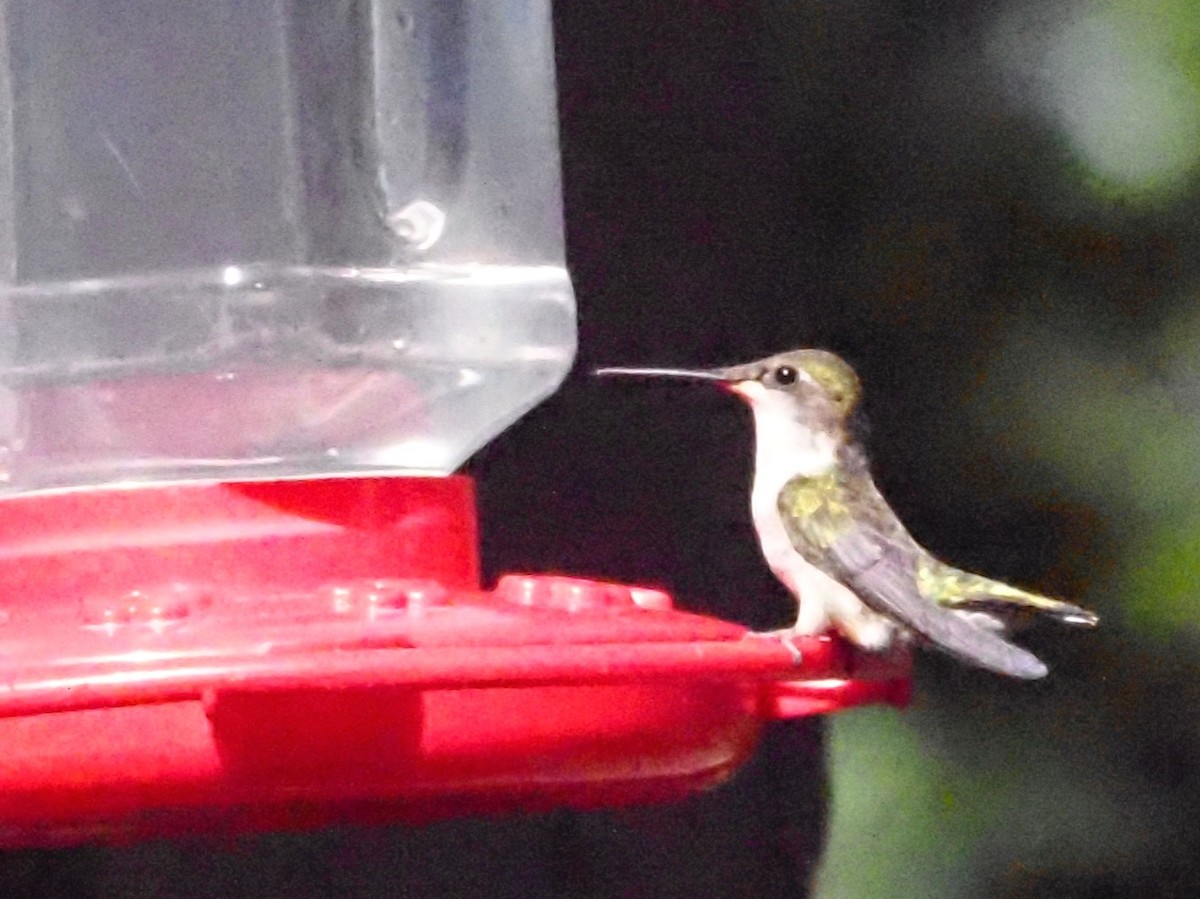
(828,534)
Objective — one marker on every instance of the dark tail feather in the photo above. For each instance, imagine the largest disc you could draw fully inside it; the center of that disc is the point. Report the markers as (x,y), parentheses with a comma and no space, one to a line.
(889,582)
(1017,613)
(977,645)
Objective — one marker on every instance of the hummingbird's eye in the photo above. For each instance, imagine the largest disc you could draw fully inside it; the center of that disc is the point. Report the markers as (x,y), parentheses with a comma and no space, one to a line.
(786,375)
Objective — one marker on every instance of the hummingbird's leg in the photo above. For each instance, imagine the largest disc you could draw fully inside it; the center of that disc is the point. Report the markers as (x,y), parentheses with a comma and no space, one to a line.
(812,605)
(864,628)
(786,637)
(851,617)
(788,642)
(825,604)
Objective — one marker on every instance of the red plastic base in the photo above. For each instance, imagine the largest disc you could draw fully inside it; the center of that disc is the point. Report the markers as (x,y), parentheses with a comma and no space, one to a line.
(271,655)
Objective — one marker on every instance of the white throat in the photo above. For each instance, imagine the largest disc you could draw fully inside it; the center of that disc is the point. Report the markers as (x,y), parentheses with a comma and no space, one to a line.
(785,447)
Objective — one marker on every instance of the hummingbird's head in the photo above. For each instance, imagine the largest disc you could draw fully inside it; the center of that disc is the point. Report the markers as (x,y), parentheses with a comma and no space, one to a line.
(817,388)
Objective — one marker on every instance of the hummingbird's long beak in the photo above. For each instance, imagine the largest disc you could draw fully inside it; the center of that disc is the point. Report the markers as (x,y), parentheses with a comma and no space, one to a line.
(691,374)
(737,379)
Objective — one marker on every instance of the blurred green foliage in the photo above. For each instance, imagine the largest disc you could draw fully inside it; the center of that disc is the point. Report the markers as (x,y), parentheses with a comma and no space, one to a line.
(1120,81)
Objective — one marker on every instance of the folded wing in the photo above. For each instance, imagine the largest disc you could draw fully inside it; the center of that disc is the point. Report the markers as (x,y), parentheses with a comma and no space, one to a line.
(841,524)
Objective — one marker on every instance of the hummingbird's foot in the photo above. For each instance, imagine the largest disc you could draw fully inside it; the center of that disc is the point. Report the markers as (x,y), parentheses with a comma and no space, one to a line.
(786,637)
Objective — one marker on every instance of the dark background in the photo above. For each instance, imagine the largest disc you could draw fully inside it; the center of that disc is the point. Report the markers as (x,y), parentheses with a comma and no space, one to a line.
(991,210)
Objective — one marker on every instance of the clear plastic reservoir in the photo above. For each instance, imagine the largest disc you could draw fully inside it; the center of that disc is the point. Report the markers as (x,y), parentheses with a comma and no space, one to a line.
(274,238)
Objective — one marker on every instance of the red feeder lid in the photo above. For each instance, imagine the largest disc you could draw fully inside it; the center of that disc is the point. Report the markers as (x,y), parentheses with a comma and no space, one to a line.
(273,655)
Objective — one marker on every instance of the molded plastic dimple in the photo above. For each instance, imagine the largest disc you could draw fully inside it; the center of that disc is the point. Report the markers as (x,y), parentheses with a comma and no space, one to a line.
(573,594)
(155,607)
(370,597)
